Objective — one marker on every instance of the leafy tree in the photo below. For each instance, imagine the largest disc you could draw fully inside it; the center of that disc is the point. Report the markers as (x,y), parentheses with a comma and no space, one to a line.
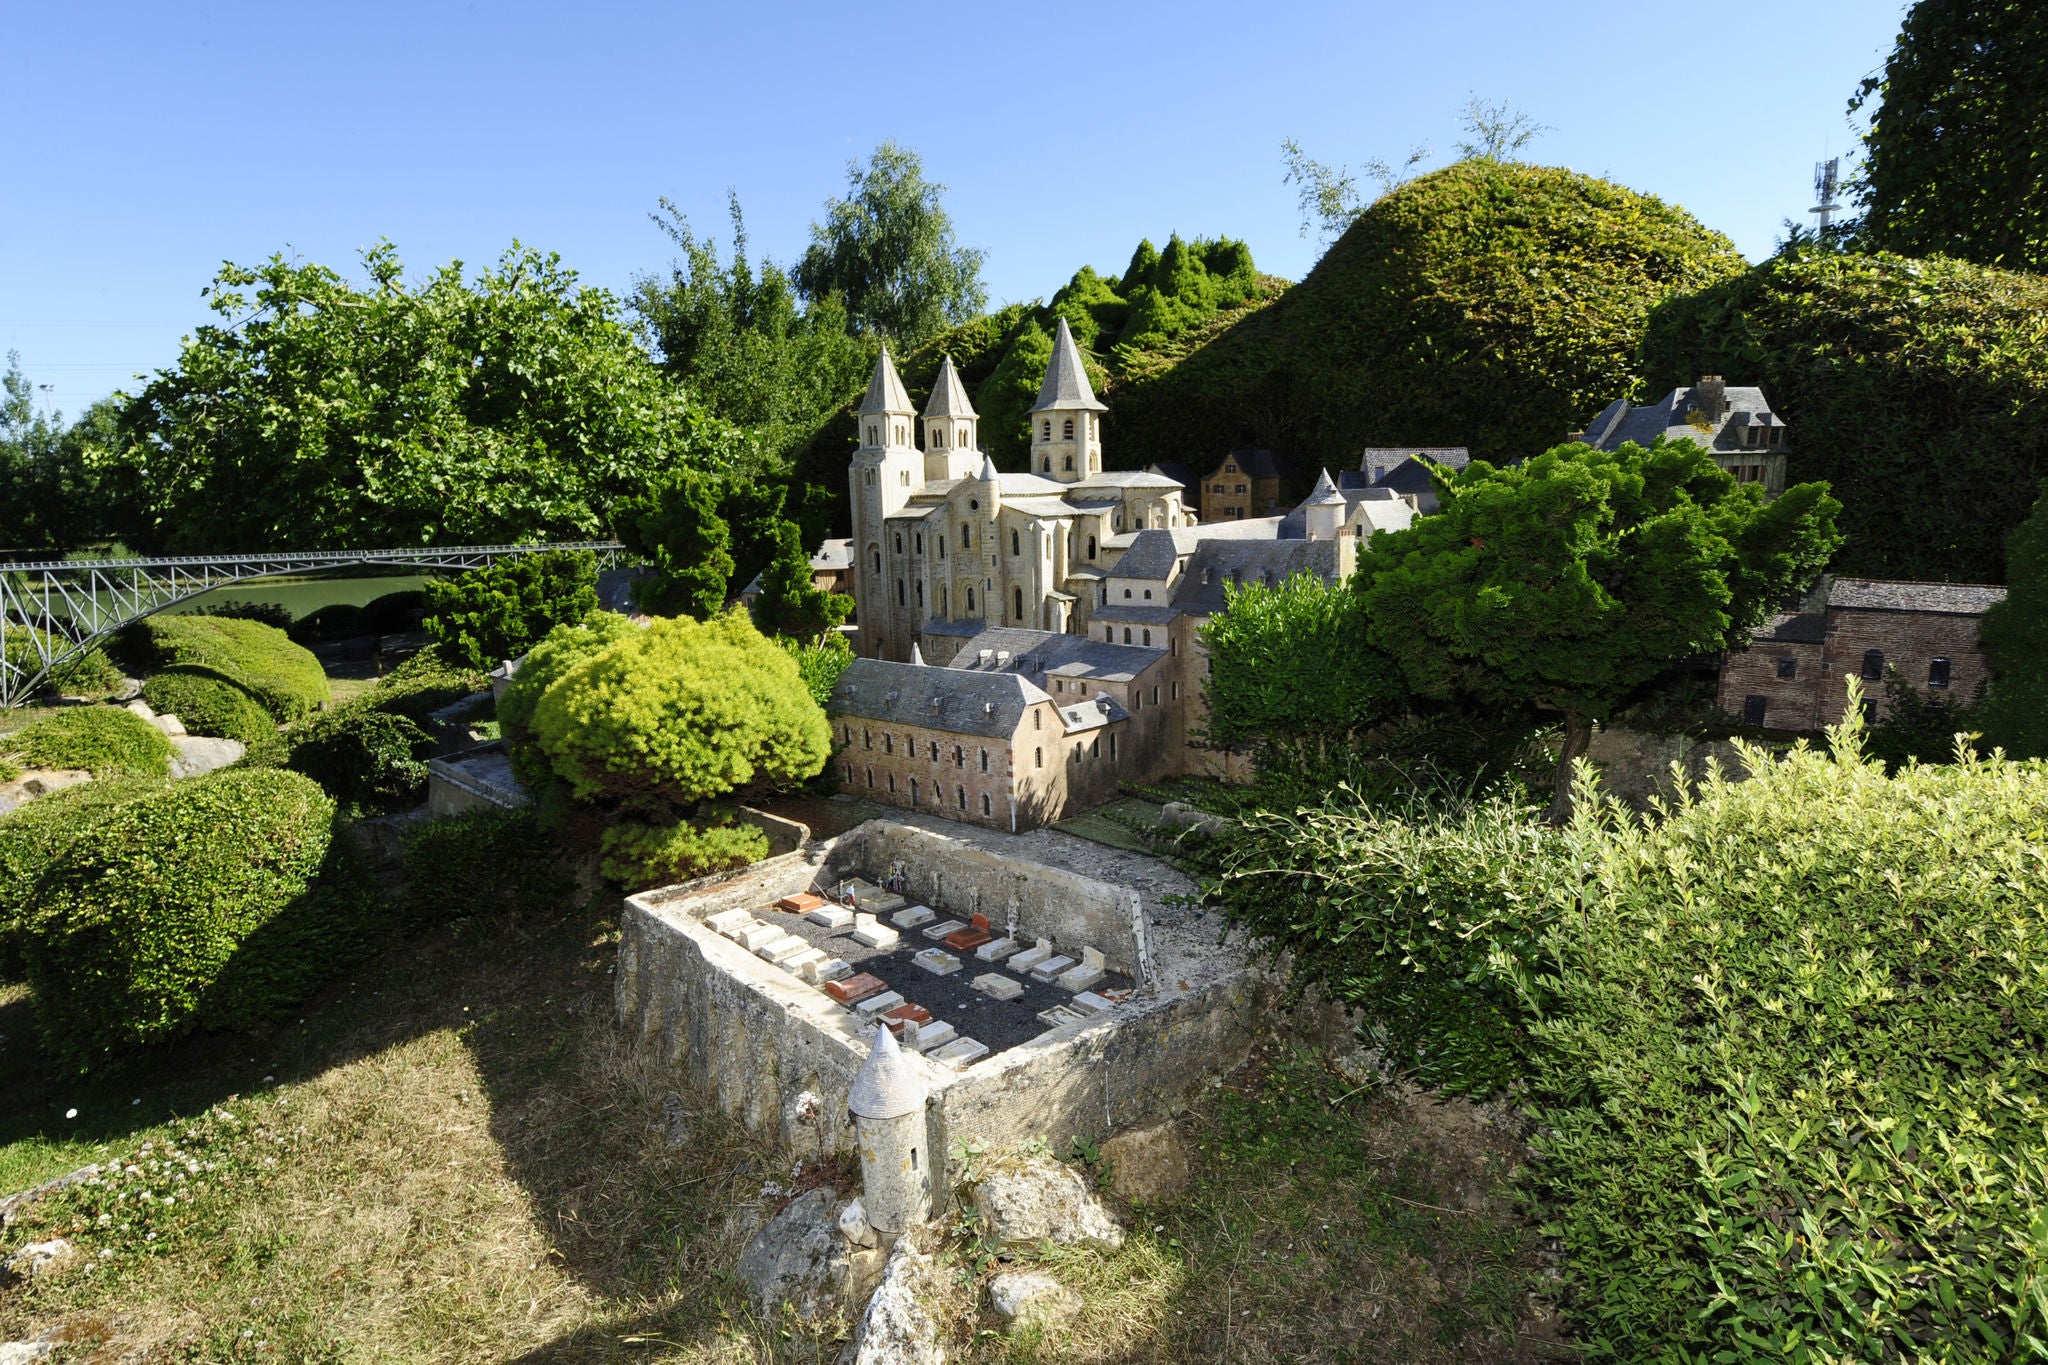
(2015,637)
(1290,666)
(503,609)
(319,413)
(1574,579)
(50,494)
(678,527)
(735,338)
(1952,163)
(1329,197)
(888,249)
(791,603)
(1918,727)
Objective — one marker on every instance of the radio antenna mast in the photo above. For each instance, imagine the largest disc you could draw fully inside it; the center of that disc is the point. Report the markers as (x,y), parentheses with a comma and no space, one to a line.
(1826,177)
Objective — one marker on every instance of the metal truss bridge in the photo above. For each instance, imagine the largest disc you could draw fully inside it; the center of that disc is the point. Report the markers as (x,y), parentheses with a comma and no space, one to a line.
(53,614)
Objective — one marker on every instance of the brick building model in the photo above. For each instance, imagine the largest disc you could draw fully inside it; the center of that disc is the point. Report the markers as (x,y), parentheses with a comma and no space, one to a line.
(1736,425)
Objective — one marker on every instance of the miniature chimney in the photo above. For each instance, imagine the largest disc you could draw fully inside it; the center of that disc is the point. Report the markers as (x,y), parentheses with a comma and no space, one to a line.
(1712,396)
(887,1100)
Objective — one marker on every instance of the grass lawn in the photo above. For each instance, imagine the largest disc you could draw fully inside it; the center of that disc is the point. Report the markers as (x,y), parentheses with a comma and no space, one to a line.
(454,1155)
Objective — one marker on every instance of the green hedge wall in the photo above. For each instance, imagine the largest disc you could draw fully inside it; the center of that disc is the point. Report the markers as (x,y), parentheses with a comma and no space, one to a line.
(33,835)
(366,760)
(103,740)
(208,705)
(261,660)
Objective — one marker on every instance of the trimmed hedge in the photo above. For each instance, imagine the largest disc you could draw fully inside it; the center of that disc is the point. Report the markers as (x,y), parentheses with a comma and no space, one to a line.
(503,609)
(33,835)
(103,740)
(364,759)
(284,678)
(207,705)
(638,856)
(1913,387)
(563,649)
(199,906)
(424,684)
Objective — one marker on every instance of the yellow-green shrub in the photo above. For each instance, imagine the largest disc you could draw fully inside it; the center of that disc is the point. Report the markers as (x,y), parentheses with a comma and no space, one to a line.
(637,855)
(103,740)
(261,660)
(207,705)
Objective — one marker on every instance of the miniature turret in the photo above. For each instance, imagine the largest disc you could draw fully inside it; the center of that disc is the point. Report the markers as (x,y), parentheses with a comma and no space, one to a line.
(1324,509)
(1066,421)
(950,427)
(887,1100)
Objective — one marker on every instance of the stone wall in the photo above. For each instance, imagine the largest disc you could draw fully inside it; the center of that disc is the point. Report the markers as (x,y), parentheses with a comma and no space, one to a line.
(1636,766)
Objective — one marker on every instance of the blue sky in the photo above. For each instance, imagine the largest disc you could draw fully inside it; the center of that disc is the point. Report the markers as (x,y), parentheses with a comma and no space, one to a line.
(149,143)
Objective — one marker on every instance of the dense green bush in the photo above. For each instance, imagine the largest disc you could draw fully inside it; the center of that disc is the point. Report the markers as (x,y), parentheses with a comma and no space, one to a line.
(482,862)
(1289,667)
(34,834)
(424,684)
(394,613)
(271,614)
(207,705)
(2015,636)
(284,678)
(103,740)
(821,663)
(1912,387)
(1490,304)
(562,650)
(637,856)
(339,621)
(92,674)
(503,609)
(366,760)
(199,906)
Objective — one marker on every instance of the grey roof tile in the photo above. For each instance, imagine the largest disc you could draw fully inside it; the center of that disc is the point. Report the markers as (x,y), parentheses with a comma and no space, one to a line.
(949,398)
(1267,562)
(1066,378)
(959,700)
(1045,653)
(1152,555)
(885,389)
(1951,599)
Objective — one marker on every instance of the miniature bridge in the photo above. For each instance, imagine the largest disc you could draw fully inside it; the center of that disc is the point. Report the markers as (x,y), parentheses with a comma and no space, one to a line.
(54,613)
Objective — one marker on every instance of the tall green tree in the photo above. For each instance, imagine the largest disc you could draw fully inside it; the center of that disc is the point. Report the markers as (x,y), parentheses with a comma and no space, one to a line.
(678,528)
(2015,636)
(888,249)
(505,608)
(1290,666)
(1952,160)
(51,498)
(320,413)
(791,603)
(1570,581)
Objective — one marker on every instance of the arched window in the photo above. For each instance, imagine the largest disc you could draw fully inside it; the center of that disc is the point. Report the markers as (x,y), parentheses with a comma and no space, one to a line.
(871,777)
(899,542)
(984,760)
(846,733)
(867,739)
(899,592)
(1148,594)
(966,536)
(959,757)
(1091,551)
(961,440)
(1038,758)
(1067,431)
(970,601)
(1017,599)
(892,776)
(1127,634)
(960,795)
(1016,545)
(1873,665)
(899,433)
(888,743)
(1148,637)
(1069,464)
(935,751)
(945,601)
(1047,467)
(939,437)
(871,433)
(917,543)
(920,595)
(985,808)
(1112,746)
(1046,433)
(878,558)
(913,791)
(1127,594)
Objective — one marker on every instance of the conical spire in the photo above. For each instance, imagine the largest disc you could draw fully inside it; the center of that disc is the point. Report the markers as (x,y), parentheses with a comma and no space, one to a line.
(885,390)
(1325,492)
(916,654)
(888,1086)
(988,471)
(1066,378)
(949,396)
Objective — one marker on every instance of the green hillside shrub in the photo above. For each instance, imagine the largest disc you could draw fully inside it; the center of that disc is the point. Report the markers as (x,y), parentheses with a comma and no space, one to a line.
(482,862)
(1490,304)
(207,705)
(92,674)
(103,740)
(2015,636)
(284,678)
(1913,387)
(501,610)
(199,906)
(339,621)
(424,684)
(33,835)
(1290,667)
(366,760)
(394,613)
(638,856)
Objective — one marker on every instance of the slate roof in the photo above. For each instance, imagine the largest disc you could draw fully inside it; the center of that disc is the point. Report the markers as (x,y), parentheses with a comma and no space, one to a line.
(1949,599)
(885,389)
(1256,562)
(1668,417)
(1092,714)
(1324,492)
(1135,613)
(1046,653)
(1127,478)
(1377,461)
(1792,628)
(1066,379)
(1153,554)
(1179,471)
(958,700)
(833,554)
(949,398)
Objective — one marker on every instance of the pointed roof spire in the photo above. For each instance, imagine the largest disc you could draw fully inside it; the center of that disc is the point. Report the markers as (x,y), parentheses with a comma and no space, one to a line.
(949,397)
(888,1086)
(916,654)
(885,390)
(1066,378)
(988,471)
(1325,492)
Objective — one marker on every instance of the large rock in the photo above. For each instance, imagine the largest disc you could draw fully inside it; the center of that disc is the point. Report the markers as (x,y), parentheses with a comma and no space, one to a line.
(1025,1296)
(198,754)
(172,727)
(1147,1165)
(41,782)
(24,1352)
(804,1260)
(898,1328)
(36,1260)
(1033,1199)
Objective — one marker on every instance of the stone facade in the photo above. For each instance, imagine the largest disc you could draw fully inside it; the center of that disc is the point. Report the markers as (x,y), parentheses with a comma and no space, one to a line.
(1244,486)
(1736,425)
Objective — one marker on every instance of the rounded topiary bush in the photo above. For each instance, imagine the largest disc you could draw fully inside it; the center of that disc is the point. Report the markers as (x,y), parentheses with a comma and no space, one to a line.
(283,677)
(424,684)
(561,650)
(32,837)
(207,705)
(637,856)
(201,905)
(103,740)
(367,760)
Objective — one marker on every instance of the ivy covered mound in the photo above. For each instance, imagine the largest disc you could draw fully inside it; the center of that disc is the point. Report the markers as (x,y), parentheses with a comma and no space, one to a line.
(284,678)
(1490,304)
(1913,387)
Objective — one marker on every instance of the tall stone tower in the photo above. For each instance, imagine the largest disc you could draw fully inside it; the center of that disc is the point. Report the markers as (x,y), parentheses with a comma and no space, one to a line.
(1066,421)
(952,428)
(886,470)
(887,1100)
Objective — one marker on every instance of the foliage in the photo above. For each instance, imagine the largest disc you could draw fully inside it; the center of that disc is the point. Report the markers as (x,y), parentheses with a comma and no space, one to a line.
(486,862)
(91,674)
(1489,304)
(1495,132)
(1909,386)
(637,855)
(1289,666)
(678,528)
(193,907)
(423,685)
(207,705)
(36,833)
(737,341)
(1570,581)
(888,250)
(394,613)
(820,663)
(1951,164)
(269,613)
(563,649)
(263,661)
(2015,638)
(322,414)
(1920,727)
(790,602)
(103,740)
(367,760)
(681,713)
(49,488)
(500,610)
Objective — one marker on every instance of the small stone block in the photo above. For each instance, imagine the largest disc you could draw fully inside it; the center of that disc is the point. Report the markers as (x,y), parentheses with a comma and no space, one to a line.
(883,903)
(754,935)
(781,950)
(1093,1003)
(979,921)
(912,916)
(937,961)
(1081,978)
(966,939)
(877,1004)
(916,1013)
(831,969)
(1051,967)
(998,987)
(831,917)
(875,935)
(997,951)
(1058,1015)
(857,889)
(725,921)
(937,1033)
(802,960)
(1031,957)
(855,988)
(905,1030)
(937,932)
(959,1052)
(802,903)
(1091,957)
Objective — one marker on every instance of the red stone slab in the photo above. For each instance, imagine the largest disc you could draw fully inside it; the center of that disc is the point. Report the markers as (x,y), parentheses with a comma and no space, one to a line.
(802,903)
(855,988)
(979,921)
(906,1010)
(961,940)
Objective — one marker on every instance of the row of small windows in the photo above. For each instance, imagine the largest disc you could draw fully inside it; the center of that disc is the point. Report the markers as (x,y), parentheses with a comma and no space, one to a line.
(938,790)
(1066,430)
(867,741)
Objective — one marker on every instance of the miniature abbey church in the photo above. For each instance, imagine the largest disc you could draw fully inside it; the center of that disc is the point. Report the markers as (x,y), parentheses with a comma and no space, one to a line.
(1028,641)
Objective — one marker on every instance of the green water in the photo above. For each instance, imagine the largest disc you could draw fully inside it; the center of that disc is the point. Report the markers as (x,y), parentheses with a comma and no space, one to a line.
(303,596)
